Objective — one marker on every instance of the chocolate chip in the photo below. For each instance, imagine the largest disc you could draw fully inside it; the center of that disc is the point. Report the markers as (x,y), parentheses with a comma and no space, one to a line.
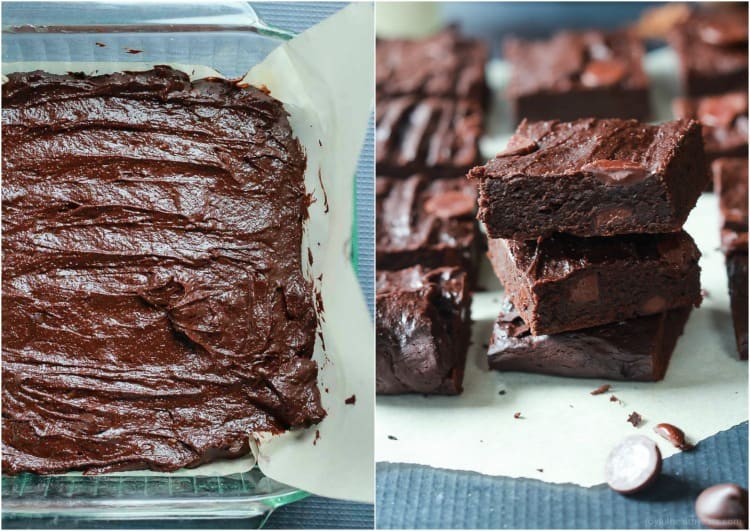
(585,290)
(674,435)
(721,111)
(655,304)
(723,506)
(450,204)
(607,217)
(635,419)
(603,73)
(601,389)
(723,32)
(616,171)
(518,145)
(633,465)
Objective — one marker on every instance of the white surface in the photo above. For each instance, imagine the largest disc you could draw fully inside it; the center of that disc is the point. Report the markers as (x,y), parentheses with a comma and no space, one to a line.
(564,431)
(328,90)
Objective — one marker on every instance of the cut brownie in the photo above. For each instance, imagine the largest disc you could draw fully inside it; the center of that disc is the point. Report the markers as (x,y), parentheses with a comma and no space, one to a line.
(724,121)
(446,64)
(154,308)
(730,181)
(578,75)
(737,272)
(435,136)
(636,350)
(567,283)
(592,178)
(712,49)
(427,223)
(423,330)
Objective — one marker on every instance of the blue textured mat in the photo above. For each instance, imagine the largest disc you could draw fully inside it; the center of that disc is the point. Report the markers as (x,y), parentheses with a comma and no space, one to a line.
(412,496)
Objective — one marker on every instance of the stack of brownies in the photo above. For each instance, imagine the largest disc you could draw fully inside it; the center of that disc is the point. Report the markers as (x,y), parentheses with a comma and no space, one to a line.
(584,221)
(431,101)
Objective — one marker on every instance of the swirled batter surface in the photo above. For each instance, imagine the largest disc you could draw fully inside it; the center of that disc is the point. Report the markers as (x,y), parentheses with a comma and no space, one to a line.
(154,308)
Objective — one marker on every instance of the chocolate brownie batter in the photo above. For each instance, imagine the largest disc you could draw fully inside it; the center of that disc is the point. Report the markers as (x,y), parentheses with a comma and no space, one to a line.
(154,309)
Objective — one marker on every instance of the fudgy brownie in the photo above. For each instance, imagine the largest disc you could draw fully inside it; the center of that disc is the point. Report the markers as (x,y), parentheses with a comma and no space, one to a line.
(435,136)
(578,75)
(737,273)
(423,329)
(724,121)
(712,49)
(592,178)
(730,182)
(426,222)
(446,64)
(637,349)
(154,308)
(567,283)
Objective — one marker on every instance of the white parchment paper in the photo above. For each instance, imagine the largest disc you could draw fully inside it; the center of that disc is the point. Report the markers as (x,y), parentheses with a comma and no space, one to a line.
(325,78)
(564,433)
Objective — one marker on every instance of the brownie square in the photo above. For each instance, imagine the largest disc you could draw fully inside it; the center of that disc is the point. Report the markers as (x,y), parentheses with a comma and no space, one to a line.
(154,308)
(446,64)
(737,273)
(566,283)
(592,178)
(435,136)
(712,50)
(589,74)
(635,350)
(427,223)
(423,327)
(724,122)
(730,184)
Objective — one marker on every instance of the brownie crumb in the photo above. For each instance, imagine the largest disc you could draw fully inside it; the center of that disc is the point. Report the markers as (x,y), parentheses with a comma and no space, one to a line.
(100,44)
(133,51)
(517,415)
(635,419)
(317,437)
(540,470)
(501,392)
(393,438)
(351,400)
(601,389)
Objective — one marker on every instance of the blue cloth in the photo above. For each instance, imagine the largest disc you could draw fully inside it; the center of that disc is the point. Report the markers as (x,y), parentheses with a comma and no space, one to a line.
(412,496)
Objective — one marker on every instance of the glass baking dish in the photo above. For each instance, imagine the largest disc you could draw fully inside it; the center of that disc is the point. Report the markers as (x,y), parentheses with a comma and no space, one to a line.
(230,38)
